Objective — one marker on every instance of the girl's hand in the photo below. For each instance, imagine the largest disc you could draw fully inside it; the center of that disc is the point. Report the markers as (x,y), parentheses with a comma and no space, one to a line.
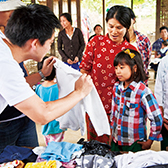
(165,120)
(146,145)
(69,61)
(165,123)
(110,139)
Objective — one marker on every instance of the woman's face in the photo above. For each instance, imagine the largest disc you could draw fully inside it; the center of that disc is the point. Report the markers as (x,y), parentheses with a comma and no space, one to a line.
(98,30)
(64,22)
(116,30)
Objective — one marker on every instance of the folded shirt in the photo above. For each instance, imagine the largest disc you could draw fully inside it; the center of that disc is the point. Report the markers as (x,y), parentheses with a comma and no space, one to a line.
(60,151)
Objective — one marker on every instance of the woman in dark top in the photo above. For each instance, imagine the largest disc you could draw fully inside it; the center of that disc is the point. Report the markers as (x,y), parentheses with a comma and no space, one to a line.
(70,42)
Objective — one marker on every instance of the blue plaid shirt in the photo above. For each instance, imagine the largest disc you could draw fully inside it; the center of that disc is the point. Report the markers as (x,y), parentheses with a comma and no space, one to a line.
(130,109)
(156,46)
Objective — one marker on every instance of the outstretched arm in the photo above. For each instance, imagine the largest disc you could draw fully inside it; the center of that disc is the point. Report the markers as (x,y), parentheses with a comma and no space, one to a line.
(43,112)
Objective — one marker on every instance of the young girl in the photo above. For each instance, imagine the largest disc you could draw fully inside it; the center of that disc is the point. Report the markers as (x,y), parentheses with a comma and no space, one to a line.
(48,91)
(132,103)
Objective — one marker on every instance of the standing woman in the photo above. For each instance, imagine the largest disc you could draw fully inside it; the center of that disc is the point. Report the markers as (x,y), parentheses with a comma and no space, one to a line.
(98,60)
(70,42)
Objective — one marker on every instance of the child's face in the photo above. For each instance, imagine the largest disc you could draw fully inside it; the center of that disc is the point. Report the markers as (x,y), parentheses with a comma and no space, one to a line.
(123,72)
(163,46)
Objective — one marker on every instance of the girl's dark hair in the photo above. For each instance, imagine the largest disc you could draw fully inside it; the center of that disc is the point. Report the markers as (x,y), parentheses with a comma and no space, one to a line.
(122,14)
(39,67)
(67,16)
(124,58)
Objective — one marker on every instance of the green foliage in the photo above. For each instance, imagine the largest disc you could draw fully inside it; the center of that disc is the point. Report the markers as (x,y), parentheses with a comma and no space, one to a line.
(110,3)
(96,5)
(93,5)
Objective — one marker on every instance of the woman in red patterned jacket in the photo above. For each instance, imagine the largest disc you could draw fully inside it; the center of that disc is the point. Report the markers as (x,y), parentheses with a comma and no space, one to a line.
(98,60)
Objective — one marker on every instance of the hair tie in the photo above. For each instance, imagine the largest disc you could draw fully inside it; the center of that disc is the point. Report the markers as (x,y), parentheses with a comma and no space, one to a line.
(127,51)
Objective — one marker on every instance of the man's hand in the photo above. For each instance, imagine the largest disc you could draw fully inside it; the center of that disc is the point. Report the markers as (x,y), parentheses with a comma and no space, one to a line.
(48,66)
(84,85)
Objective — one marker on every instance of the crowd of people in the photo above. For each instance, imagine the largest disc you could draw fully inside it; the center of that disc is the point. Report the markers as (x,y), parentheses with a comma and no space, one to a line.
(116,64)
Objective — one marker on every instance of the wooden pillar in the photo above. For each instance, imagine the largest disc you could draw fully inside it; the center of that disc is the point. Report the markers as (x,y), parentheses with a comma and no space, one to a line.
(50,5)
(158,4)
(60,7)
(132,4)
(78,14)
(103,11)
(69,6)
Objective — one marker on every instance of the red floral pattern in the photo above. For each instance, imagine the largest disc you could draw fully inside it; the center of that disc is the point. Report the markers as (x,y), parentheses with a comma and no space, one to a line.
(98,61)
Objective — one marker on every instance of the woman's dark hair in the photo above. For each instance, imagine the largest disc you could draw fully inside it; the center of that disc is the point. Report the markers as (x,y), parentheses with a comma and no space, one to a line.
(39,67)
(132,13)
(67,16)
(97,25)
(31,22)
(122,14)
(125,58)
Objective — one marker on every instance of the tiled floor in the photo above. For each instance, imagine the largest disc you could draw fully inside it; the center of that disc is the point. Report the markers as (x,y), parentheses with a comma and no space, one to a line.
(74,136)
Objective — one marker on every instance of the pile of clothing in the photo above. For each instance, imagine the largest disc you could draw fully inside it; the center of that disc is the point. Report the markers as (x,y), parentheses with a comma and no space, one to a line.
(84,154)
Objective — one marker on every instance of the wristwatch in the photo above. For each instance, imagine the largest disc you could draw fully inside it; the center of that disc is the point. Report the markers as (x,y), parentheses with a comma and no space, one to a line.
(41,74)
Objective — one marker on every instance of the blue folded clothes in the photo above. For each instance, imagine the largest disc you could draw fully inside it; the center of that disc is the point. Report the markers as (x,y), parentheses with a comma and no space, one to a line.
(61,151)
(11,153)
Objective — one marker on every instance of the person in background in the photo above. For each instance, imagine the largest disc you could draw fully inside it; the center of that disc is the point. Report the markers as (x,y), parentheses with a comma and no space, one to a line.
(161,53)
(132,103)
(141,42)
(70,42)
(161,93)
(164,50)
(98,60)
(97,29)
(15,48)
(48,91)
(156,46)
